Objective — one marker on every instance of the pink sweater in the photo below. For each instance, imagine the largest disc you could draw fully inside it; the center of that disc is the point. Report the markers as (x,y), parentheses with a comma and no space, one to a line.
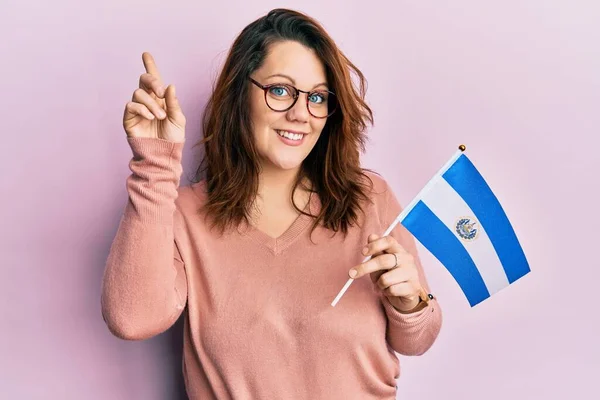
(258,317)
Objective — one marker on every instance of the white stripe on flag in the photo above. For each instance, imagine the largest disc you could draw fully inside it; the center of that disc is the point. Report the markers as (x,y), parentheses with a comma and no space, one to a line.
(448,206)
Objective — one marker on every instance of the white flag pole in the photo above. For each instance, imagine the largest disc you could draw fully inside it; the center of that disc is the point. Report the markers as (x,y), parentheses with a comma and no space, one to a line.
(404,213)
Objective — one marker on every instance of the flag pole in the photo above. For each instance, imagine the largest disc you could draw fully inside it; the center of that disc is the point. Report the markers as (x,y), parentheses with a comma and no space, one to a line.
(423,295)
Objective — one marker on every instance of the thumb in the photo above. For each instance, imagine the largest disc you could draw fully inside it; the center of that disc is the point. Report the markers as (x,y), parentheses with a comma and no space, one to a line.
(173,108)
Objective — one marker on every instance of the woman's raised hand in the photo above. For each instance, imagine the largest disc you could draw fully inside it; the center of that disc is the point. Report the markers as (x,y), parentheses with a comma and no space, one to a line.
(154,111)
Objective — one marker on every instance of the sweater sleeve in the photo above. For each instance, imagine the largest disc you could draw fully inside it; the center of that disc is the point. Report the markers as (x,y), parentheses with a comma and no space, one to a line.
(414,333)
(144,287)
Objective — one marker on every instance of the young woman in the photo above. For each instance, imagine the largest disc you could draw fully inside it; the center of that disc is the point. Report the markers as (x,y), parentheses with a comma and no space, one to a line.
(254,252)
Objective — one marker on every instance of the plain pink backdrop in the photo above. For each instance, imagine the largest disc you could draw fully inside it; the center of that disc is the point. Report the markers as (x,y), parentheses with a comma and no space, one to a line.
(517,81)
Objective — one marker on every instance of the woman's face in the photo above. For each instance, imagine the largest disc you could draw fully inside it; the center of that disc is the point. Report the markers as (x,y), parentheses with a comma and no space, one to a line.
(294,64)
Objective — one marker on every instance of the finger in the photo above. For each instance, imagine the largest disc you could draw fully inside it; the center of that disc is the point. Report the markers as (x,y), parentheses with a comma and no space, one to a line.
(374,275)
(141,96)
(133,109)
(386,244)
(173,107)
(404,289)
(393,277)
(372,238)
(152,85)
(382,262)
(150,65)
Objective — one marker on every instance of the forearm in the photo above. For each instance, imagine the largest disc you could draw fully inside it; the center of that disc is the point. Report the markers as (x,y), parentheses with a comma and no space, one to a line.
(413,333)
(144,285)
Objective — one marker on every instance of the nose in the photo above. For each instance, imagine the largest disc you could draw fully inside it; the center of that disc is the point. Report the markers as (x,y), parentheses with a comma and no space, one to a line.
(300,110)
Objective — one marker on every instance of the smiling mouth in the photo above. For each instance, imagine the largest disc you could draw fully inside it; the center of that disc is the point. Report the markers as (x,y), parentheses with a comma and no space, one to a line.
(290,135)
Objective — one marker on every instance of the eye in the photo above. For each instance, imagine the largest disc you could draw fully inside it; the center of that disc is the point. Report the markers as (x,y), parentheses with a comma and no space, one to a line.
(317,97)
(280,91)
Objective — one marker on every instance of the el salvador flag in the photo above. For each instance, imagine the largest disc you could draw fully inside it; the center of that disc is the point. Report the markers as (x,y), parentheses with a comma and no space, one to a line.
(460,221)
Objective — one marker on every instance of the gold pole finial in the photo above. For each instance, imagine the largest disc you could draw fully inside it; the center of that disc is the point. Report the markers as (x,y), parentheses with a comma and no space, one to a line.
(462,147)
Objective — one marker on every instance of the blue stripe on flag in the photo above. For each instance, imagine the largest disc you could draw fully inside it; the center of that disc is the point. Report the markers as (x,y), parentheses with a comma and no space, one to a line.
(470,185)
(447,248)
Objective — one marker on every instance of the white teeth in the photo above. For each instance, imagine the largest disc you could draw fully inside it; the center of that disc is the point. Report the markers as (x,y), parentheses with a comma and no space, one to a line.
(289,135)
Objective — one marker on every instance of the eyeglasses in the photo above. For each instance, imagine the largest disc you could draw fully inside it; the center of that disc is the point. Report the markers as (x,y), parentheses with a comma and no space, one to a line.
(282,97)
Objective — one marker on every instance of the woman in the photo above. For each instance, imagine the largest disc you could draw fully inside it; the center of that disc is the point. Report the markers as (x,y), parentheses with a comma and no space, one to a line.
(254,253)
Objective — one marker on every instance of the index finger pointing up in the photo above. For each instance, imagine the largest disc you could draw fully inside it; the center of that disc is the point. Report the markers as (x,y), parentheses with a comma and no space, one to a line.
(150,65)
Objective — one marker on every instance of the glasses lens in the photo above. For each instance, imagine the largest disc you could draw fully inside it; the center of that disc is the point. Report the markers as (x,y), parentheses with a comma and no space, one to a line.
(322,104)
(280,97)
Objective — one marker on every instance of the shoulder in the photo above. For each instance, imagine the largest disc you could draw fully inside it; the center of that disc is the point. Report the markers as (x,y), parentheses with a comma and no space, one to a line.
(380,188)
(383,198)
(191,196)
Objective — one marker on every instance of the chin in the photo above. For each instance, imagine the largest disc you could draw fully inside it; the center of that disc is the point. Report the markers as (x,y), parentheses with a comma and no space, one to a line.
(285,164)
(289,166)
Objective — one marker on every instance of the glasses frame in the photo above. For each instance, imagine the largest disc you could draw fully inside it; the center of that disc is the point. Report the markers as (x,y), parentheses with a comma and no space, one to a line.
(266,88)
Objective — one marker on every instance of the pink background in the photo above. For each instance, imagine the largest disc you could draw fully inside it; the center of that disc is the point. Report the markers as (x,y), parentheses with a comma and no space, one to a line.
(517,81)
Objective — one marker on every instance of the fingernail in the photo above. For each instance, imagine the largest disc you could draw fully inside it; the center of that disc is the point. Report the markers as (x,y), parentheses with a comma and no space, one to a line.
(353,273)
(365,250)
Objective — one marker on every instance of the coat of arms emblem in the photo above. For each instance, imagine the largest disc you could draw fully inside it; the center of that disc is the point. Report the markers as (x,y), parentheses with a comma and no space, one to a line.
(466,227)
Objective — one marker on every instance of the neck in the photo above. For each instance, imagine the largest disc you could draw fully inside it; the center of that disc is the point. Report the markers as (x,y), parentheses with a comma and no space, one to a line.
(275,188)
(276,183)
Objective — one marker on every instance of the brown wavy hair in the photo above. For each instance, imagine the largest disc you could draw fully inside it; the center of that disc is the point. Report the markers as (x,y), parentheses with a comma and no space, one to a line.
(231,162)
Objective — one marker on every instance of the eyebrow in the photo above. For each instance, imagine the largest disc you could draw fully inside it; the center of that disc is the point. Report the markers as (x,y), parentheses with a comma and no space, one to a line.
(293,81)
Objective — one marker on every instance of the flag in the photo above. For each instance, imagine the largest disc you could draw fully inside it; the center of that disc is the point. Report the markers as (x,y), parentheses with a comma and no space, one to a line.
(458,218)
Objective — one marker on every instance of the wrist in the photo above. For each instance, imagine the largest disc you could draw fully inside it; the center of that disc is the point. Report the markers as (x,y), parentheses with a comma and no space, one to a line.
(406,305)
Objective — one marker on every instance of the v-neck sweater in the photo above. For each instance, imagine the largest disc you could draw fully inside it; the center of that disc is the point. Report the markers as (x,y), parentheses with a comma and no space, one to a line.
(258,320)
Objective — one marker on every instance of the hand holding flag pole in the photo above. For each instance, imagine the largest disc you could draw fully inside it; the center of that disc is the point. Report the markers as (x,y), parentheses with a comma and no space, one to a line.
(423,295)
(457,217)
